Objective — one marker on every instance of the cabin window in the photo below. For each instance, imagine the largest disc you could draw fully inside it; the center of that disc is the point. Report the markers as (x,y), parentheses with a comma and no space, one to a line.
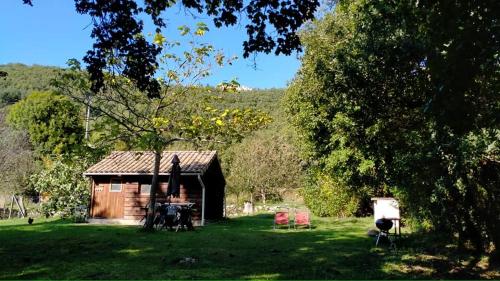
(145,188)
(116,185)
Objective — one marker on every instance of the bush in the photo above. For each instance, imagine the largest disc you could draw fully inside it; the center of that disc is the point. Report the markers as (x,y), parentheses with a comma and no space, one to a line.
(326,197)
(63,186)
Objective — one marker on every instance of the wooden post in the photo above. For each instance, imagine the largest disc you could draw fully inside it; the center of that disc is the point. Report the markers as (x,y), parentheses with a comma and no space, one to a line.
(21,204)
(11,206)
(21,211)
(4,205)
(92,192)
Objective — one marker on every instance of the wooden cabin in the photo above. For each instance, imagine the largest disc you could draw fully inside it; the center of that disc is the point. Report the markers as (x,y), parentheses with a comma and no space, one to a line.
(121,185)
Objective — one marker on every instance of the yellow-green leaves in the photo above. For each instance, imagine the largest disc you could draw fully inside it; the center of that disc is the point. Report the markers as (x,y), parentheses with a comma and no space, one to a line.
(219,59)
(226,124)
(160,122)
(219,122)
(201,29)
(172,75)
(184,30)
(159,39)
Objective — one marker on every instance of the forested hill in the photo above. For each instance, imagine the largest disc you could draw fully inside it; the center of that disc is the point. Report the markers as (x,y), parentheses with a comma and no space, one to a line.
(22,79)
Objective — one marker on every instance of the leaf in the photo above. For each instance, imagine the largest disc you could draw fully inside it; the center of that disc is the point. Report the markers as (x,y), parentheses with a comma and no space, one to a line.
(219,59)
(159,39)
(202,28)
(184,30)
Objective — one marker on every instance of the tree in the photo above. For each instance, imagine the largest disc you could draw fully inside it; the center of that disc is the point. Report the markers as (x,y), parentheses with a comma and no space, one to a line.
(272,25)
(271,169)
(51,120)
(16,159)
(183,110)
(402,97)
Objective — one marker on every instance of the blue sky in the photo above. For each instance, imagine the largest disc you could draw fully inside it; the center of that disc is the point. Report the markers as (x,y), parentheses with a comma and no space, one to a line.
(51,32)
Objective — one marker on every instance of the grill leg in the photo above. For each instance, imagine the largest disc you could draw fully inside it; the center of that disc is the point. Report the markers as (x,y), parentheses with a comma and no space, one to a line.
(378,238)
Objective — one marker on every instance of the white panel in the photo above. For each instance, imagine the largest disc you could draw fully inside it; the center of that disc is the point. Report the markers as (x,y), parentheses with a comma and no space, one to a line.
(385,208)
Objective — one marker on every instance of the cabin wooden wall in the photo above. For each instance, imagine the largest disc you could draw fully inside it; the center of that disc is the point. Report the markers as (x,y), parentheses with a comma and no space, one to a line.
(215,191)
(106,204)
(190,191)
(133,201)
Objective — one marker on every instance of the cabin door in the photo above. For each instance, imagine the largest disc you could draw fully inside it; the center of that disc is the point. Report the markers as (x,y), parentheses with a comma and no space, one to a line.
(108,200)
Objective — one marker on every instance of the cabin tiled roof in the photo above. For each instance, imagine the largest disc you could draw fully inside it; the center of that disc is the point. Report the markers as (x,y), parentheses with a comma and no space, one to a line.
(142,162)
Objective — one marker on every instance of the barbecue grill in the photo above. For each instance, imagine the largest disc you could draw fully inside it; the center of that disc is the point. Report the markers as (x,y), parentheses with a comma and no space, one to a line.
(384,225)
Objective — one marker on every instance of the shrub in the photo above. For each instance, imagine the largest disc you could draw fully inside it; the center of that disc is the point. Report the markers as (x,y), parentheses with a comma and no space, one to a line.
(326,197)
(63,186)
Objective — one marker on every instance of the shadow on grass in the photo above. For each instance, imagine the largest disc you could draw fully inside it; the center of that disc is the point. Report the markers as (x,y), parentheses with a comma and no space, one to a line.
(437,256)
(240,248)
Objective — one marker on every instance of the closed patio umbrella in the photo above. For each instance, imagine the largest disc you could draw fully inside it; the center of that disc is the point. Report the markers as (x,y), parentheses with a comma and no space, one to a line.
(174,184)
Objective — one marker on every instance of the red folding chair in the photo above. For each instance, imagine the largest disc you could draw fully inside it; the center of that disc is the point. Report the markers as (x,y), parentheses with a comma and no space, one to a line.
(281,218)
(302,218)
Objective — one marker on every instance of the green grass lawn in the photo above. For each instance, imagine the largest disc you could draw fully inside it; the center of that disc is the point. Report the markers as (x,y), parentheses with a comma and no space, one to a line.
(239,248)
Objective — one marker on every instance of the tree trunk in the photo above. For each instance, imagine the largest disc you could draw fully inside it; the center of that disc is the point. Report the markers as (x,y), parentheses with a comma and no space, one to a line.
(152,194)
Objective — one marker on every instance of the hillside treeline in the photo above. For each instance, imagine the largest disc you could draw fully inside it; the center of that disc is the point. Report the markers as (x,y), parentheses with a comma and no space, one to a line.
(19,80)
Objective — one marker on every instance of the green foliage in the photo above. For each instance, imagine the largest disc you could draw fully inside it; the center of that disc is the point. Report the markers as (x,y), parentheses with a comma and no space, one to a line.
(20,80)
(326,197)
(265,166)
(276,143)
(402,98)
(51,120)
(16,159)
(63,186)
